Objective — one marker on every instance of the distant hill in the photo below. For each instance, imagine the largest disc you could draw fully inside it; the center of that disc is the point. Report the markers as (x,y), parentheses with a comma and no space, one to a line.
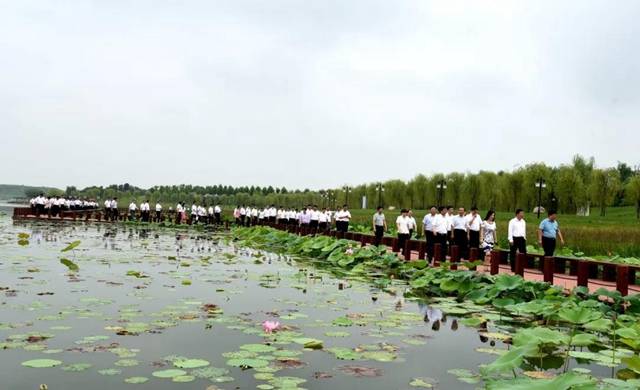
(11,191)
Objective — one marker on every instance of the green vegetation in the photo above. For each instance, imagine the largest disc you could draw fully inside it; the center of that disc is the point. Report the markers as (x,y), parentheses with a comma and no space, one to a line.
(545,327)
(19,192)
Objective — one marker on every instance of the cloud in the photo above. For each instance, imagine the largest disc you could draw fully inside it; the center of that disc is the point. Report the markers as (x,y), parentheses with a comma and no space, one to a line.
(311,94)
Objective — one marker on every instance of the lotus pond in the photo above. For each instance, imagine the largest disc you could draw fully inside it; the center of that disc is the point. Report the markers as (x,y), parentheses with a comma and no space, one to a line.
(114,306)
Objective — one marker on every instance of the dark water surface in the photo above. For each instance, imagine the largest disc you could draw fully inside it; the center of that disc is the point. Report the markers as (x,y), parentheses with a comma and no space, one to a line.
(161,316)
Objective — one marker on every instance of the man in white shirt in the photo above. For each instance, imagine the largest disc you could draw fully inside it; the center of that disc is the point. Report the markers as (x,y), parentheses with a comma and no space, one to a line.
(254,215)
(460,227)
(210,215)
(342,219)
(413,226)
(113,209)
(402,224)
(440,230)
(202,214)
(272,213)
(158,212)
(132,210)
(315,218)
(216,212)
(107,209)
(450,215)
(474,221)
(194,214)
(179,213)
(379,225)
(517,235)
(243,215)
(323,220)
(427,227)
(40,201)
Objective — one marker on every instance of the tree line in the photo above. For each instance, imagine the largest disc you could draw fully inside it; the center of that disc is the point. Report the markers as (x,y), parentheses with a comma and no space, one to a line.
(568,188)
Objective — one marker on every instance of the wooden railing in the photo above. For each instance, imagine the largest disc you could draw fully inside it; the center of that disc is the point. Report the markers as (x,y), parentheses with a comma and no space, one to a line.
(583,269)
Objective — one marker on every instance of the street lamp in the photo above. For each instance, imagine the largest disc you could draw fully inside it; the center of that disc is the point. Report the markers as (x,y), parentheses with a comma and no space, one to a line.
(441,186)
(540,184)
(346,190)
(380,191)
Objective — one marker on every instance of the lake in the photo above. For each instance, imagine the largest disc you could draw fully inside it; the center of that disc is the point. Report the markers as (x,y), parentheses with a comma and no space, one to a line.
(164,309)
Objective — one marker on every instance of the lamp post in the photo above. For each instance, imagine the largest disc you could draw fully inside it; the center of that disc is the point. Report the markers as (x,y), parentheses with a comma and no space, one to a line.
(380,191)
(346,191)
(441,186)
(540,184)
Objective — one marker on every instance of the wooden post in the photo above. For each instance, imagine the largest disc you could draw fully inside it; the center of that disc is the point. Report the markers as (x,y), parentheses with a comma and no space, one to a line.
(455,256)
(394,245)
(407,250)
(583,273)
(622,279)
(495,262)
(422,250)
(473,254)
(548,268)
(521,258)
(363,240)
(437,253)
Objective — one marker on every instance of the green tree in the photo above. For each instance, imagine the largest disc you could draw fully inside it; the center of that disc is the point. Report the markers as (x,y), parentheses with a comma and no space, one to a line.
(604,185)
(633,192)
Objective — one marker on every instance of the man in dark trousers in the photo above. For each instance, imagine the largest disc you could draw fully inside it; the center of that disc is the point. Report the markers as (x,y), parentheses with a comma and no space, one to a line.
(460,229)
(547,233)
(427,227)
(517,235)
(379,225)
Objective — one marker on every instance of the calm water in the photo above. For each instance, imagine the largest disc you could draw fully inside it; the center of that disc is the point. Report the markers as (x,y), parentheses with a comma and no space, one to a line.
(83,313)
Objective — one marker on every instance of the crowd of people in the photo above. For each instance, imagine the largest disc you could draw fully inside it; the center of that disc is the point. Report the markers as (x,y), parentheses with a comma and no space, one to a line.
(54,205)
(196,214)
(310,216)
(441,225)
(467,230)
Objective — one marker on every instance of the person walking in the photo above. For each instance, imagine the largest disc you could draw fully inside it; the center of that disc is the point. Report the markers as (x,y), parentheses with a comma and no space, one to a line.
(342,219)
(474,222)
(216,212)
(379,226)
(460,227)
(517,236)
(413,225)
(132,211)
(427,228)
(158,212)
(115,214)
(440,231)
(402,225)
(488,237)
(236,215)
(547,233)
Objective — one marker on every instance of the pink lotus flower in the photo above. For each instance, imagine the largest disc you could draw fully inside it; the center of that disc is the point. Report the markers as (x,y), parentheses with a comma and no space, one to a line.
(270,326)
(349,251)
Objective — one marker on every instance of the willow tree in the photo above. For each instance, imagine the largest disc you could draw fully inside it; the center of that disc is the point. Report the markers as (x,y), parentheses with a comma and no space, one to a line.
(633,193)
(604,185)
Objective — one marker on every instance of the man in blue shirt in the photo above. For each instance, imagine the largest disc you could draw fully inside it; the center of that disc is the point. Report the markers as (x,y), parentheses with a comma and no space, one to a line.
(547,232)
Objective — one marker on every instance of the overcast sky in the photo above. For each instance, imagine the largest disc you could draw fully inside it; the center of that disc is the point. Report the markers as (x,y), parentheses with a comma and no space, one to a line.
(311,93)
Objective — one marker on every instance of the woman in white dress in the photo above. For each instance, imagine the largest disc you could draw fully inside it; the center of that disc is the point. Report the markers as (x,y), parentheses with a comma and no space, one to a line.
(488,232)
